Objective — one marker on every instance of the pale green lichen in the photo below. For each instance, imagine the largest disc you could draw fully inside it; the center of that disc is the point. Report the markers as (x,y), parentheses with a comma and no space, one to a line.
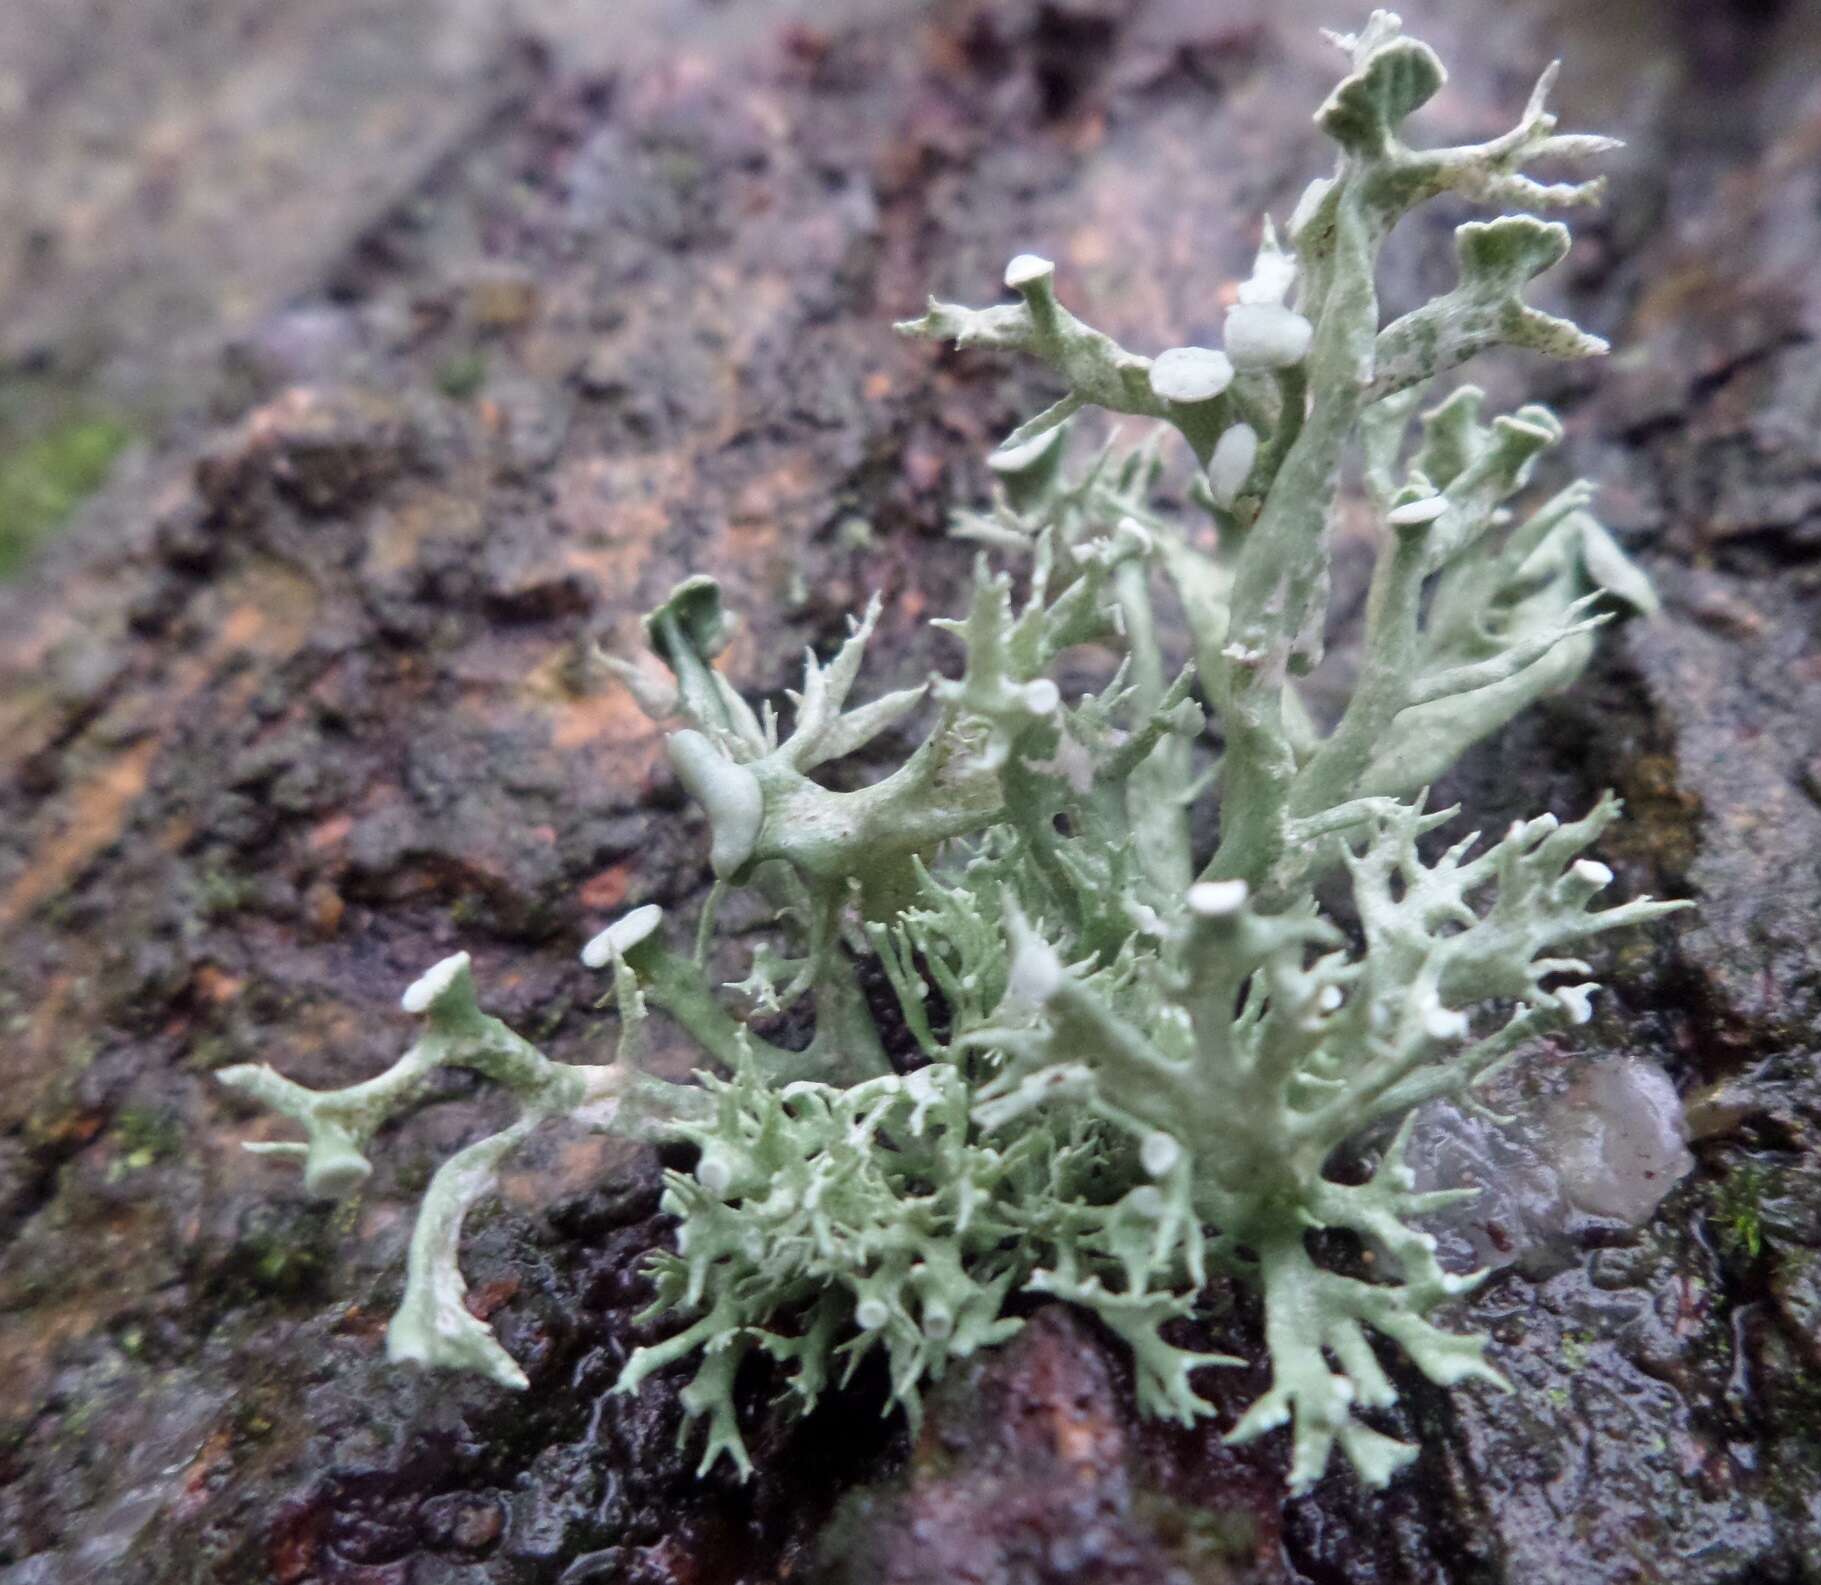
(1138,1065)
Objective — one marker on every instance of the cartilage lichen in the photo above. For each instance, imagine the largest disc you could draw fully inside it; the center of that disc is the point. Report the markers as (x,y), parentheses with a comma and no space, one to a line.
(1139,1064)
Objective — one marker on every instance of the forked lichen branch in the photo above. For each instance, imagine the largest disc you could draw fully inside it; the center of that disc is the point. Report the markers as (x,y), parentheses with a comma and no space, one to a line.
(1138,1063)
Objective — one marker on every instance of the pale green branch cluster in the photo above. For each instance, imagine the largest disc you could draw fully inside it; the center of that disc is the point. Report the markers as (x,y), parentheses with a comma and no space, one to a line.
(1138,1064)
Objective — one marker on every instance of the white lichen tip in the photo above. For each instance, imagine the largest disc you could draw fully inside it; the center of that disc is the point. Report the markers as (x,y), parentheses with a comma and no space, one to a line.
(1041,697)
(1593,872)
(1412,513)
(1266,336)
(424,991)
(1308,204)
(1147,1200)
(1036,973)
(1217,899)
(1271,279)
(1439,1022)
(714,1171)
(1144,916)
(1191,374)
(919,1084)
(1578,1000)
(1231,464)
(1015,459)
(1159,1152)
(1026,270)
(334,1168)
(871,1313)
(622,936)
(1134,533)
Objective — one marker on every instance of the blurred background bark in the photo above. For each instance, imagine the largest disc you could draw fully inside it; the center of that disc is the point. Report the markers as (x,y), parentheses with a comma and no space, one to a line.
(430,339)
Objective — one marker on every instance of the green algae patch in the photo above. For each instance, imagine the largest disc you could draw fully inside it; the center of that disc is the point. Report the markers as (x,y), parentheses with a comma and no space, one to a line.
(46,476)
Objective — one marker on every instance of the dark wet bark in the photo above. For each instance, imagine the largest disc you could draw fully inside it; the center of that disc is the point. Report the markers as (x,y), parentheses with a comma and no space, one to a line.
(304,705)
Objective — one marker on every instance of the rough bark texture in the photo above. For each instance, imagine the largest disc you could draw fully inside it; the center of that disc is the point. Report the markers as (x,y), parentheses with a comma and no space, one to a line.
(303,705)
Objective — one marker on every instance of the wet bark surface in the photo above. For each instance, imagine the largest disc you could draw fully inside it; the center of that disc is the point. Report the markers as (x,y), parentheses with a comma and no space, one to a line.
(305,703)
